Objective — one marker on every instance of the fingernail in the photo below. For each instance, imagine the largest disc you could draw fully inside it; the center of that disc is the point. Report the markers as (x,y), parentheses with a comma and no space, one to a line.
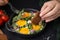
(46,21)
(40,14)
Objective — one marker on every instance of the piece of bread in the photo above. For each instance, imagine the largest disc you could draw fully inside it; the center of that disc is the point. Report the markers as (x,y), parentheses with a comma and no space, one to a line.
(36,19)
(3,36)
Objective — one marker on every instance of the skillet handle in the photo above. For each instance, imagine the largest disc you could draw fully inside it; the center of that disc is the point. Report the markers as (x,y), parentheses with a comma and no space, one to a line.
(8,27)
(13,8)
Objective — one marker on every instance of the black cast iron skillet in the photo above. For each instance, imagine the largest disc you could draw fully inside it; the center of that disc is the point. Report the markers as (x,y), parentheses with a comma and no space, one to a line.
(10,28)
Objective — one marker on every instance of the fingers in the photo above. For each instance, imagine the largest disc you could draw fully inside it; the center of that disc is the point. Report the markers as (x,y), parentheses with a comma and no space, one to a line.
(52,12)
(51,19)
(48,19)
(46,8)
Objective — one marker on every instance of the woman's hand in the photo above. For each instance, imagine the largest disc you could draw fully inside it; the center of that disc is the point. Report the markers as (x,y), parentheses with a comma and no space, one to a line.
(50,11)
(3,2)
